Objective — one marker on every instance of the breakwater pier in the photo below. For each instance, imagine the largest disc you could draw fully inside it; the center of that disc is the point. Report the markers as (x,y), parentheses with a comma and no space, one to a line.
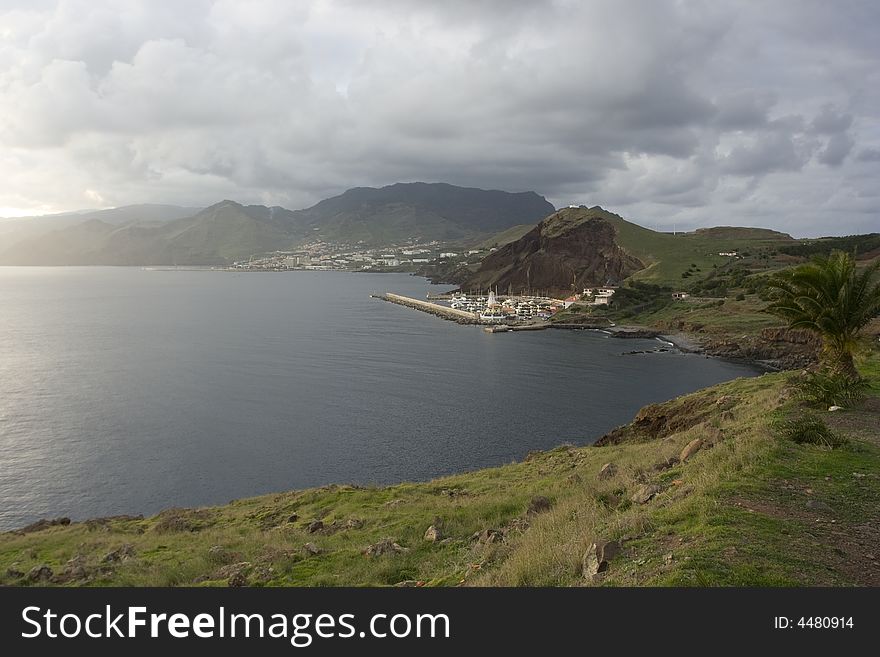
(453,314)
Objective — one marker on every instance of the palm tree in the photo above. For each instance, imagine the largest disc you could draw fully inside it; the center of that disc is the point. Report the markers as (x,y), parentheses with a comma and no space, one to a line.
(830,298)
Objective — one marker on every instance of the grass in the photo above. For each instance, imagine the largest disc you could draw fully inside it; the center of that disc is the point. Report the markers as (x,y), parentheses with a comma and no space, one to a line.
(735,513)
(809,429)
(668,256)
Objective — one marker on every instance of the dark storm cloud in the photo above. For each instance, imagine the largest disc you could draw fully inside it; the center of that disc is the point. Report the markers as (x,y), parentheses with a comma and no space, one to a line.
(686,112)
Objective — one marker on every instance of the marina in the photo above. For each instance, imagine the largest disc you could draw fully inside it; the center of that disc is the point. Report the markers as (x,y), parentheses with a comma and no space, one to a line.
(502,313)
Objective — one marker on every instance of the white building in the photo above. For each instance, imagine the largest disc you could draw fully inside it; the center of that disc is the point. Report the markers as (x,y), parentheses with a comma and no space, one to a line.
(601,295)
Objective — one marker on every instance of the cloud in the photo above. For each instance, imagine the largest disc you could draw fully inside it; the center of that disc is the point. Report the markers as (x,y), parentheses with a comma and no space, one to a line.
(869,155)
(838,147)
(665,111)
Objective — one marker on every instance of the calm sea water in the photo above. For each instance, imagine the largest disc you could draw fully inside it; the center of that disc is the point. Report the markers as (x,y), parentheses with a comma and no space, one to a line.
(128,391)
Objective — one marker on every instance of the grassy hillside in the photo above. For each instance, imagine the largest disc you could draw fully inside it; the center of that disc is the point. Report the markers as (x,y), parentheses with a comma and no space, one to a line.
(668,256)
(748,508)
(421,211)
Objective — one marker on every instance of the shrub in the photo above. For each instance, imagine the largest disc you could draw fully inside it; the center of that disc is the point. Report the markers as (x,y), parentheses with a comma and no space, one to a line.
(811,430)
(825,388)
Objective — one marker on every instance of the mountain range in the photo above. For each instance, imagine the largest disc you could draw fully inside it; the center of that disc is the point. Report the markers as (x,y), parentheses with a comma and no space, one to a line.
(228,231)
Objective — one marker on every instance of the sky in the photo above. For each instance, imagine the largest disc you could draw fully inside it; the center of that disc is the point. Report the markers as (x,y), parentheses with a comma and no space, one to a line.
(672,113)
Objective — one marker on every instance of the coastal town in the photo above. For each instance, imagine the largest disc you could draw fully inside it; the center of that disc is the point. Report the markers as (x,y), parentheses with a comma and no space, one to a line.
(322,256)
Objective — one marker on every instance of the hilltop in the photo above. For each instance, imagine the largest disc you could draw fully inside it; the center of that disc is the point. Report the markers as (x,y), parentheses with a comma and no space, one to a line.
(702,490)
(570,249)
(228,231)
(587,246)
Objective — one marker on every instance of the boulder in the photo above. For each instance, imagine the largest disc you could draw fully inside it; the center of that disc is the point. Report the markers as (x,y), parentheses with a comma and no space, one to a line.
(41,573)
(311,549)
(232,570)
(607,471)
(122,553)
(597,556)
(725,402)
(385,546)
(315,526)
(433,534)
(645,493)
(293,517)
(666,464)
(539,504)
(238,580)
(40,525)
(690,449)
(75,569)
(835,408)
(488,536)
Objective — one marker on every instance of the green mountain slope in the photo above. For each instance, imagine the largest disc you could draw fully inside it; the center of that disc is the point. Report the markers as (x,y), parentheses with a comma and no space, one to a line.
(217,235)
(422,211)
(229,231)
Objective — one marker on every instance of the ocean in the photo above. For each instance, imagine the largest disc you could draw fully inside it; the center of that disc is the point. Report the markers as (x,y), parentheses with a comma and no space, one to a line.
(125,390)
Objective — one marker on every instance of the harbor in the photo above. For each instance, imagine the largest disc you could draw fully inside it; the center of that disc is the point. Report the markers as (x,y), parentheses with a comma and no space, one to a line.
(500,316)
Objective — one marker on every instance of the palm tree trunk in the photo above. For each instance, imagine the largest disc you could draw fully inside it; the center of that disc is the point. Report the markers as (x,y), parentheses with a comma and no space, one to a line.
(840,361)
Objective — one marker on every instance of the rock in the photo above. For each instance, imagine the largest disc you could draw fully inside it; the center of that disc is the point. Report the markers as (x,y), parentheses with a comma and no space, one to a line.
(432,534)
(690,449)
(859,475)
(75,569)
(40,573)
(14,572)
(293,517)
(666,464)
(119,554)
(725,402)
(645,493)
(182,520)
(488,536)
(237,580)
(818,505)
(385,546)
(574,478)
(354,523)
(597,556)
(393,503)
(607,471)
(835,408)
(668,558)
(315,526)
(40,525)
(539,504)
(311,549)
(231,570)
